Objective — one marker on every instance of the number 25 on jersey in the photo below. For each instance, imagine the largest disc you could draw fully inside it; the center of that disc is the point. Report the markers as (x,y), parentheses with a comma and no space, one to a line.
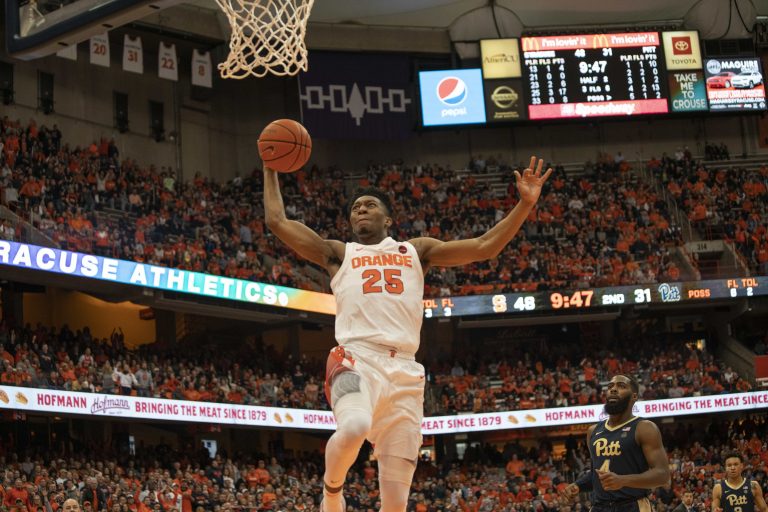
(392,283)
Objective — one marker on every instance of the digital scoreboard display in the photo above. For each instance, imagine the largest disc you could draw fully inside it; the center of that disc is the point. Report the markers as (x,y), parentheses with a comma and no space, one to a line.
(594,75)
(597,298)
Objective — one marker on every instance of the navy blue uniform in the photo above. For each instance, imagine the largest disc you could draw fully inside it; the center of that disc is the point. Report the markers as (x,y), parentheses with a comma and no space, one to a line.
(737,499)
(615,449)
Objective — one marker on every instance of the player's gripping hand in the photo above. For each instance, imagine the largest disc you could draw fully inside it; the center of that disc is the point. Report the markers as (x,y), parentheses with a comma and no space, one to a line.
(568,495)
(610,480)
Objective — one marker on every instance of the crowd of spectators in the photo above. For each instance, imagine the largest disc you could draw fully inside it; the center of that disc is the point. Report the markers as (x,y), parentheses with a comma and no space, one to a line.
(256,374)
(603,228)
(550,378)
(722,202)
(519,476)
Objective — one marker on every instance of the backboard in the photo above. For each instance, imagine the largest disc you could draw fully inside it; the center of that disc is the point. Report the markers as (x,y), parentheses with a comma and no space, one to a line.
(36,28)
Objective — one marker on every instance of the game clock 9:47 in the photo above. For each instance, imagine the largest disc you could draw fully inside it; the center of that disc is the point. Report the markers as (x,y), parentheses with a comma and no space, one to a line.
(580,299)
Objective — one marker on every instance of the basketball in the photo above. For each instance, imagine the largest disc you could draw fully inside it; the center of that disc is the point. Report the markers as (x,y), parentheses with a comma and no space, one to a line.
(285,145)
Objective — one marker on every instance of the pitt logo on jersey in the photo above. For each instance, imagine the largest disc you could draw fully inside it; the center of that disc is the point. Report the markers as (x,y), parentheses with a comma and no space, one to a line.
(734,500)
(397,260)
(604,449)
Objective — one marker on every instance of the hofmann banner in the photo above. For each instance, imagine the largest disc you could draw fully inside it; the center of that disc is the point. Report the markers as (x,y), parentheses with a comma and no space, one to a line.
(357,96)
(99,405)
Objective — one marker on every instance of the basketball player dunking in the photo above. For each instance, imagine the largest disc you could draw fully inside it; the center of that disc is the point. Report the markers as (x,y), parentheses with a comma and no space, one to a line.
(736,493)
(373,383)
(628,457)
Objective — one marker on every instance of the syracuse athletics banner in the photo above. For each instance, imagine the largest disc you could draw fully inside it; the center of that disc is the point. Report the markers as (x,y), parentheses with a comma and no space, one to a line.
(70,263)
(357,96)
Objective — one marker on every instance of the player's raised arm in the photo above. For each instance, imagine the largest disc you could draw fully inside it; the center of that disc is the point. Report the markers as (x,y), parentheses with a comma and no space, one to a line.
(436,253)
(297,236)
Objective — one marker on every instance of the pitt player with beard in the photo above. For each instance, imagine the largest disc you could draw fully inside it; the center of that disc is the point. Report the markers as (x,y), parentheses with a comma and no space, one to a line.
(736,493)
(373,382)
(628,456)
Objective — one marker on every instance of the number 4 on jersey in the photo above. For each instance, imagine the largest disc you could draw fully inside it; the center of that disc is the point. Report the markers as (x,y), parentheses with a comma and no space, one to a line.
(392,282)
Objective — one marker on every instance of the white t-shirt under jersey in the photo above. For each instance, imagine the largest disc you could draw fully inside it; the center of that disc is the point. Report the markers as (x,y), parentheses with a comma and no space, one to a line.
(379,292)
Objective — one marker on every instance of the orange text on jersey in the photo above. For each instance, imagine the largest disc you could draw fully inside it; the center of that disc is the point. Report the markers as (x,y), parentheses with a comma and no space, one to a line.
(384,259)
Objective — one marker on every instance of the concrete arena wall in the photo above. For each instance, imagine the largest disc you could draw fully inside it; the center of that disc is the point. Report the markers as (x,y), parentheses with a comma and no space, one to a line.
(218,135)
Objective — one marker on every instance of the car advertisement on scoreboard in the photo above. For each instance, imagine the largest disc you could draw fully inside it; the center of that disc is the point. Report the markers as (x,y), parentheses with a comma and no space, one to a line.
(735,84)
(452,97)
(504,100)
(687,91)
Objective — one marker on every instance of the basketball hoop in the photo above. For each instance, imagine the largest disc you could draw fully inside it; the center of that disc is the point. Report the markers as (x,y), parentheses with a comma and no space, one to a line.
(267,37)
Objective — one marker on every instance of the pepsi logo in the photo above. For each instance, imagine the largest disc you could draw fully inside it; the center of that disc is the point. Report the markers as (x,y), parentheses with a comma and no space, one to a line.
(452,91)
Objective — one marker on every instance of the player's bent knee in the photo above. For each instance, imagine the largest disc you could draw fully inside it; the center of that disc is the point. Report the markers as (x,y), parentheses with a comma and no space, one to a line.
(353,418)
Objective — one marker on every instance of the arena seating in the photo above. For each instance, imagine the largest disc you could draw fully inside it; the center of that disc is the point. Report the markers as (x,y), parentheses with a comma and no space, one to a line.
(62,359)
(488,478)
(603,227)
(723,200)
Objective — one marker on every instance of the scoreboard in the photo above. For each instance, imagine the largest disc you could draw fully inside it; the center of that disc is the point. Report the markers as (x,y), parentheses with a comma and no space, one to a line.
(578,76)
(593,75)
(597,298)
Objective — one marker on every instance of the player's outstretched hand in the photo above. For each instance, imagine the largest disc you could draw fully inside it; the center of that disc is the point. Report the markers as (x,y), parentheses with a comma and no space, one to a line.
(610,480)
(530,182)
(568,495)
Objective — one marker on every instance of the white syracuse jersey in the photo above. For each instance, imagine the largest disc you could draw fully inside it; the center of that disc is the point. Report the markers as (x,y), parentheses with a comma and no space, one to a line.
(379,292)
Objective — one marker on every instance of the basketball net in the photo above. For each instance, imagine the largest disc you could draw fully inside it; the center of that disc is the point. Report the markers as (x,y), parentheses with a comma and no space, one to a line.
(267,37)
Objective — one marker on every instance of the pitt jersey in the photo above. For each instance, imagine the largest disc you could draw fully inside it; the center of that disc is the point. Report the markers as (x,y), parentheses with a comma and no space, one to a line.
(379,292)
(737,499)
(615,449)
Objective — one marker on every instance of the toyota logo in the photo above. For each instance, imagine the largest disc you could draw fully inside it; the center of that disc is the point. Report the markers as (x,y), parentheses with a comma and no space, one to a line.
(681,46)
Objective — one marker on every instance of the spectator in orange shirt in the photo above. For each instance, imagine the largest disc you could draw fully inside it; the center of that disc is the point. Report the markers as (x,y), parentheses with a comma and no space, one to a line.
(262,474)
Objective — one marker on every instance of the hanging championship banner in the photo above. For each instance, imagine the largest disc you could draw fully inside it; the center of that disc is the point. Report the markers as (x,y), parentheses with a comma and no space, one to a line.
(133,57)
(100,50)
(70,52)
(167,66)
(201,69)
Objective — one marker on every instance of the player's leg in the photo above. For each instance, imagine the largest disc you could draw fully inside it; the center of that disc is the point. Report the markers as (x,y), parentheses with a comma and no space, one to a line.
(352,409)
(397,432)
(395,477)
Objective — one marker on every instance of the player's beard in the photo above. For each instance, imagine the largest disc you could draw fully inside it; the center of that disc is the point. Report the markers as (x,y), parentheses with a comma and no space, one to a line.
(618,407)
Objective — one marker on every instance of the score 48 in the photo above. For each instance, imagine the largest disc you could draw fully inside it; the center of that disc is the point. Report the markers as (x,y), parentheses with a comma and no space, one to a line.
(523,303)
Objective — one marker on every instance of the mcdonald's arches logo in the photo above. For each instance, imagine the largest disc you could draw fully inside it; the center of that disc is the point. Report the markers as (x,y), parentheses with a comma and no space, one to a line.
(531,44)
(600,41)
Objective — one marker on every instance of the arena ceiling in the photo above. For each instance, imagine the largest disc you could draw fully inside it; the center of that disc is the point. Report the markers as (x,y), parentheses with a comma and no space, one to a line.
(531,13)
